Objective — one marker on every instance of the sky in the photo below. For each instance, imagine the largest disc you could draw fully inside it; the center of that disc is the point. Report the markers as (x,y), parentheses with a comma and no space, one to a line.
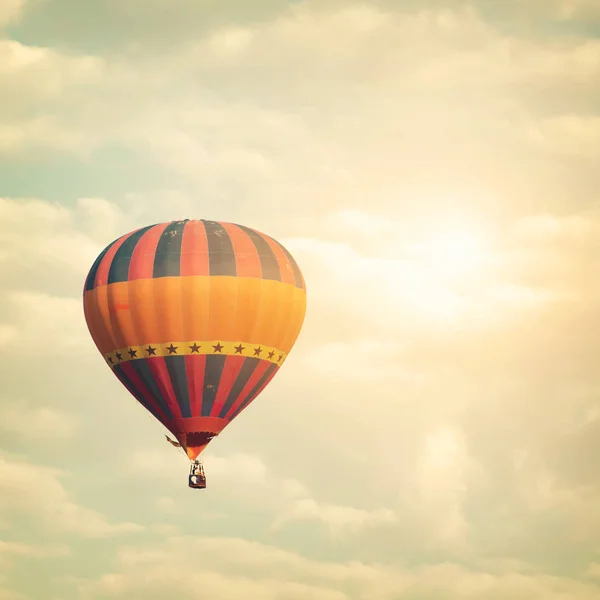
(433,168)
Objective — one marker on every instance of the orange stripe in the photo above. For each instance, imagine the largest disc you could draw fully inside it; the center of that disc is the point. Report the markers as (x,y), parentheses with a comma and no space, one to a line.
(141,298)
(195,306)
(194,249)
(121,321)
(246,309)
(97,328)
(168,309)
(278,299)
(246,256)
(222,307)
(295,317)
(168,303)
(104,321)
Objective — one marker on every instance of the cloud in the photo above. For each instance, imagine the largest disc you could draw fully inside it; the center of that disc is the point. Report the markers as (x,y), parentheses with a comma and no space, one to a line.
(29,551)
(230,567)
(35,424)
(56,509)
(245,476)
(566,9)
(425,379)
(437,165)
(48,248)
(429,116)
(40,75)
(10,11)
(338,519)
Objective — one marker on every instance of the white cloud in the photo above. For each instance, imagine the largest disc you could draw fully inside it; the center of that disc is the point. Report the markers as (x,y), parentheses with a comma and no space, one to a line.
(10,10)
(45,241)
(338,519)
(395,118)
(568,135)
(36,423)
(443,472)
(247,477)
(55,509)
(568,9)
(272,137)
(42,318)
(28,551)
(233,567)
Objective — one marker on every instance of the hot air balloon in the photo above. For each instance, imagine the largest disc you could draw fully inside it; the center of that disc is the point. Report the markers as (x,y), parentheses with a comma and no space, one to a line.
(195,318)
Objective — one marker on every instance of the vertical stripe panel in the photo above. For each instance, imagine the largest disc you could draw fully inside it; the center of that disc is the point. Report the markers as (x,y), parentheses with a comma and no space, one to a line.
(251,382)
(119,268)
(268,260)
(141,265)
(90,281)
(194,250)
(134,391)
(246,255)
(105,263)
(158,368)
(144,372)
(299,279)
(220,250)
(256,390)
(212,376)
(285,267)
(167,260)
(240,383)
(131,372)
(195,366)
(178,375)
(231,370)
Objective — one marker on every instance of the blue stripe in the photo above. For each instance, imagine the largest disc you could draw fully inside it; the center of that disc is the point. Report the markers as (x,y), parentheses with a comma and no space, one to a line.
(144,372)
(178,375)
(253,391)
(167,260)
(268,260)
(298,279)
(212,377)
(119,267)
(91,278)
(126,381)
(241,380)
(221,257)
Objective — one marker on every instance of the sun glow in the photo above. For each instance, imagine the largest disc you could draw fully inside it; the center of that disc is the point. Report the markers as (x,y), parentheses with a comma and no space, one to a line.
(451,253)
(432,278)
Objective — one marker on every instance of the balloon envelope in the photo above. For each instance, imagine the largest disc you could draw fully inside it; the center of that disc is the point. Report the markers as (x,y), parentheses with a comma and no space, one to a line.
(195,318)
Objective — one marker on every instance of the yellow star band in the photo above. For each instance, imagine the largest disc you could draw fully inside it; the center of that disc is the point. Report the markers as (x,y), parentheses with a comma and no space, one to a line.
(215,347)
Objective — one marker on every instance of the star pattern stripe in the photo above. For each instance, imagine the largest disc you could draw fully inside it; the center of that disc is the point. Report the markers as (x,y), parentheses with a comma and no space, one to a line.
(186,348)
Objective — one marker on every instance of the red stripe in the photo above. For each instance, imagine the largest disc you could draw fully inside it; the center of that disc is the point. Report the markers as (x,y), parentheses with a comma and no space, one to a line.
(104,267)
(195,366)
(158,366)
(142,259)
(246,256)
(194,250)
(285,267)
(252,381)
(231,369)
(139,385)
(260,389)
